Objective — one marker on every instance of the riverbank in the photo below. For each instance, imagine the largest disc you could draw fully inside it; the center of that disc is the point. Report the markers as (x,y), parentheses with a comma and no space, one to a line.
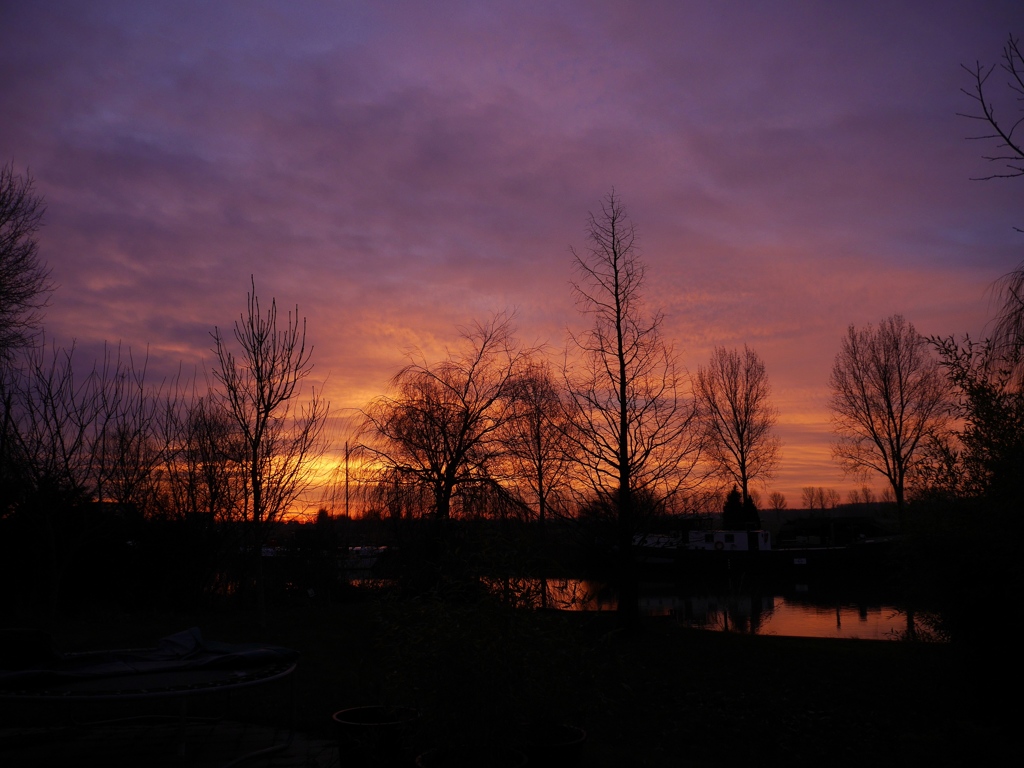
(653,697)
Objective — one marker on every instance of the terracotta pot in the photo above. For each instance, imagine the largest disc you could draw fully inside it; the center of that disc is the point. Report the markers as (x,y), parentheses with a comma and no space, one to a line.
(376,736)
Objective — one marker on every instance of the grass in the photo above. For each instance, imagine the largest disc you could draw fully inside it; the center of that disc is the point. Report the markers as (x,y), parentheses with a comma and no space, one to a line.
(659,695)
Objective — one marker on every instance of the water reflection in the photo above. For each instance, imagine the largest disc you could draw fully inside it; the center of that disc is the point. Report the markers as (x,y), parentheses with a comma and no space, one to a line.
(797,613)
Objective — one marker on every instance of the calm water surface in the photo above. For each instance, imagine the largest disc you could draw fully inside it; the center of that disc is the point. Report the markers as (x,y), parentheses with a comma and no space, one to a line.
(799,614)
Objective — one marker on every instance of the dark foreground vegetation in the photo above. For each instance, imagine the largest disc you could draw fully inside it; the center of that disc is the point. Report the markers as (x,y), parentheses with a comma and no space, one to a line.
(659,695)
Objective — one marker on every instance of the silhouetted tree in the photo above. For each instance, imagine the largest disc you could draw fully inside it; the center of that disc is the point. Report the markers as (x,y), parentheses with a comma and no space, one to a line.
(129,445)
(1008,336)
(202,492)
(280,437)
(990,411)
(738,417)
(1009,149)
(777,501)
(202,459)
(636,428)
(52,416)
(537,438)
(819,498)
(861,496)
(441,426)
(808,497)
(24,279)
(740,514)
(888,397)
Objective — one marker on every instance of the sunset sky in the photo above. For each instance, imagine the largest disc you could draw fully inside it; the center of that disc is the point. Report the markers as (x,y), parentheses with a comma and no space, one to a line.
(399,169)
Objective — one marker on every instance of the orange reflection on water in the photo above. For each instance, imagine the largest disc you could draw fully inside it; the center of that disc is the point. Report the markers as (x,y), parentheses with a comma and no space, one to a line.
(839,621)
(748,614)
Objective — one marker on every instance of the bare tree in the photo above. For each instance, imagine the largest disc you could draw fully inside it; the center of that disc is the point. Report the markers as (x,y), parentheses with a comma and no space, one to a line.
(440,427)
(888,396)
(537,438)
(819,498)
(24,280)
(1008,331)
(51,417)
(202,490)
(1009,149)
(737,416)
(776,501)
(280,438)
(862,496)
(635,423)
(808,496)
(203,448)
(128,446)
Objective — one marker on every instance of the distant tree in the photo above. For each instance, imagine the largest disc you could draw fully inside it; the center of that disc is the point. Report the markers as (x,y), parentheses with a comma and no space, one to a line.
(862,496)
(888,397)
(820,498)
(202,455)
(832,499)
(739,513)
(808,497)
(635,424)
(776,501)
(130,441)
(737,416)
(537,438)
(280,437)
(441,426)
(24,280)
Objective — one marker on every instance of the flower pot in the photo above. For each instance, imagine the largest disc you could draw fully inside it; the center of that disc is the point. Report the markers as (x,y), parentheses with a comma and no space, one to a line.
(472,758)
(376,736)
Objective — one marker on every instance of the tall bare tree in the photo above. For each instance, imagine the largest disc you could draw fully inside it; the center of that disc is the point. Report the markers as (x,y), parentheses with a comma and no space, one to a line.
(635,421)
(888,396)
(281,437)
(738,417)
(24,280)
(440,427)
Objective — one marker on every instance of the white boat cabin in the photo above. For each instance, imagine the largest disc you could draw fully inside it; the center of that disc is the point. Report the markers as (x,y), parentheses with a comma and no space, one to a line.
(730,541)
